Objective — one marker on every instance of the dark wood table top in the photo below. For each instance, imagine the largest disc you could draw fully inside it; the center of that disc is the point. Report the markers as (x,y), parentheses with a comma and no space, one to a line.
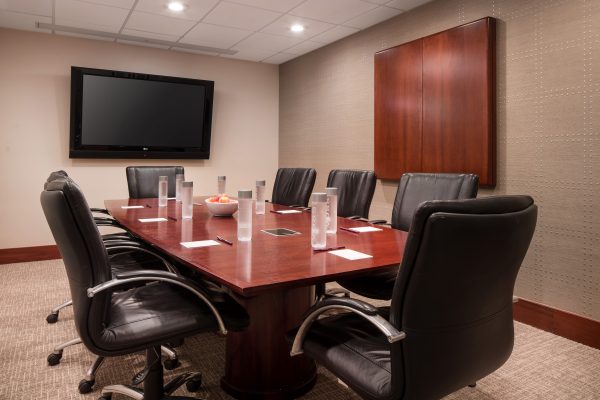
(265,263)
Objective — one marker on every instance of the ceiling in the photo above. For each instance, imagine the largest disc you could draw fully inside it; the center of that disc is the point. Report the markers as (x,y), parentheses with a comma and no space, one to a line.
(254,30)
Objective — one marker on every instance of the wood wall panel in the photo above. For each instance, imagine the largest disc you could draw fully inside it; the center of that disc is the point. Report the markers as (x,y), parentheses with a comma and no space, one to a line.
(435,104)
(458,101)
(398,99)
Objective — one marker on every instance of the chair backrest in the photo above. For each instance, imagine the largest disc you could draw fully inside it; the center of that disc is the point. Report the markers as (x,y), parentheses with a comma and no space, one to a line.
(355,191)
(454,290)
(293,186)
(82,250)
(415,188)
(143,181)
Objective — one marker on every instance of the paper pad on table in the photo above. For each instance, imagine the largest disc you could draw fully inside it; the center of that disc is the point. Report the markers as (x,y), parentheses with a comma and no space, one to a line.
(362,229)
(152,219)
(350,254)
(200,243)
(288,211)
(127,207)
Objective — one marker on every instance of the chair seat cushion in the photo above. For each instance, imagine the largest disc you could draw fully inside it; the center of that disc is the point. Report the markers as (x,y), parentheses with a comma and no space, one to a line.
(374,285)
(157,313)
(354,350)
(127,261)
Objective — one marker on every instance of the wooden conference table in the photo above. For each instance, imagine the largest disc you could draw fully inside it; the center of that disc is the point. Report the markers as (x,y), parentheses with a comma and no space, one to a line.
(272,277)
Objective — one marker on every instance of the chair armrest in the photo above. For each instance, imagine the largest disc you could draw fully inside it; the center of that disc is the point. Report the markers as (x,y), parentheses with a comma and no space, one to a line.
(365,310)
(137,247)
(127,278)
(378,222)
(357,217)
(125,242)
(515,299)
(99,210)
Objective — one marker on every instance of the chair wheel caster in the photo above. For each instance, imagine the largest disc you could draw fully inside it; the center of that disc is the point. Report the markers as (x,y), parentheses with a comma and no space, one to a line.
(54,359)
(52,318)
(171,363)
(85,386)
(193,385)
(472,385)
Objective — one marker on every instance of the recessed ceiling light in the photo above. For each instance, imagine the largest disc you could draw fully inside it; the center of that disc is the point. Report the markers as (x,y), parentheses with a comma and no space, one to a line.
(175,6)
(297,28)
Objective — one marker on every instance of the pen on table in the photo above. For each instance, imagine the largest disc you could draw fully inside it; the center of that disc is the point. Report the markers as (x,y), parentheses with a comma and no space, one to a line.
(348,230)
(274,212)
(329,249)
(148,206)
(220,239)
(172,218)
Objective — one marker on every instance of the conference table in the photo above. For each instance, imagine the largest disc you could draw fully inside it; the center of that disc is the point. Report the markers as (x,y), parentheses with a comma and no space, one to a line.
(273,277)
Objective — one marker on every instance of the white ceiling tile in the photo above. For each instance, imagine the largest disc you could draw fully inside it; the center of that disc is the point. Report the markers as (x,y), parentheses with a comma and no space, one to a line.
(194,9)
(264,41)
(114,3)
(240,16)
(37,7)
(334,11)
(335,34)
(145,44)
(279,58)
(155,23)
(150,35)
(84,36)
(251,54)
(304,47)
(273,5)
(373,17)
(214,36)
(283,24)
(406,4)
(13,20)
(89,16)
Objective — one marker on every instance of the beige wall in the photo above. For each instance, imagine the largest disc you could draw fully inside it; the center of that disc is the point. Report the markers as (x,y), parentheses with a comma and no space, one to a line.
(34,123)
(548,68)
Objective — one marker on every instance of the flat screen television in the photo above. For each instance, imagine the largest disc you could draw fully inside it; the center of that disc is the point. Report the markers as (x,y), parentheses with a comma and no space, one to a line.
(117,114)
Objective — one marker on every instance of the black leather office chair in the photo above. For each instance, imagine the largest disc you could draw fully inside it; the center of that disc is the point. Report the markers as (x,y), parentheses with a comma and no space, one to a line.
(293,186)
(125,255)
(355,191)
(113,314)
(413,189)
(450,321)
(143,181)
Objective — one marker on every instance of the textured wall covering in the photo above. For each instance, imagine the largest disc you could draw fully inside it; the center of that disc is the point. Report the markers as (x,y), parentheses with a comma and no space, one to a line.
(548,140)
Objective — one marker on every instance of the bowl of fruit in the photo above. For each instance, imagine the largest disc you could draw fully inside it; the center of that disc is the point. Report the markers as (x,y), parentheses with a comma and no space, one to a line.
(221,206)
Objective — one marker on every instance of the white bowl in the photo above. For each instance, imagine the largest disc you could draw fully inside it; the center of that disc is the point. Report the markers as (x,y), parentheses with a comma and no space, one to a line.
(222,209)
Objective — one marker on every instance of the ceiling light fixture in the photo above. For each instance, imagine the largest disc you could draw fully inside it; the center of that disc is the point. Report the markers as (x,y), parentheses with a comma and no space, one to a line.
(297,28)
(175,6)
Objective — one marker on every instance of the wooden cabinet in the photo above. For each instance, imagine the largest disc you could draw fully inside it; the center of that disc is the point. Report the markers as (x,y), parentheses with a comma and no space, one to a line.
(435,104)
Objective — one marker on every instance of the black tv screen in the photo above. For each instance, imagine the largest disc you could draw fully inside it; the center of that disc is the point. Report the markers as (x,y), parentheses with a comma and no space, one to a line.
(117,114)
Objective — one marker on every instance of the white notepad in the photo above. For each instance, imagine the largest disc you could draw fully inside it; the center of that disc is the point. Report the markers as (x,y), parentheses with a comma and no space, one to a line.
(362,229)
(128,207)
(350,254)
(200,243)
(288,211)
(152,219)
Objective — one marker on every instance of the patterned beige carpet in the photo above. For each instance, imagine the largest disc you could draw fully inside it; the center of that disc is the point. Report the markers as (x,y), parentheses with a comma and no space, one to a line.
(542,366)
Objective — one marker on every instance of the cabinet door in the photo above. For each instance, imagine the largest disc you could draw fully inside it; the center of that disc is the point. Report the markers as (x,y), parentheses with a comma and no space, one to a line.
(398,90)
(459,101)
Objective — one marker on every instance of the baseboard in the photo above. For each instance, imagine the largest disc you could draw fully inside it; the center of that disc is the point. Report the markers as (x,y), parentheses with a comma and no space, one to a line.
(25,254)
(562,323)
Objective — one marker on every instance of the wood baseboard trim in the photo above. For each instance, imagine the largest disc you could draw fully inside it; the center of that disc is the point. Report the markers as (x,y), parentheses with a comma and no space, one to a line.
(562,323)
(26,254)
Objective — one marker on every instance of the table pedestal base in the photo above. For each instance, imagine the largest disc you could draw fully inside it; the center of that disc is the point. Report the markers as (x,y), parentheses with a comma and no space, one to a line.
(257,361)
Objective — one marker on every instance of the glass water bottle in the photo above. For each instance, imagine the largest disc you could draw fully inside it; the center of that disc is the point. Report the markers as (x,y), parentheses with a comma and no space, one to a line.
(260,197)
(187,200)
(221,185)
(178,179)
(163,190)
(319,221)
(244,219)
(332,204)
